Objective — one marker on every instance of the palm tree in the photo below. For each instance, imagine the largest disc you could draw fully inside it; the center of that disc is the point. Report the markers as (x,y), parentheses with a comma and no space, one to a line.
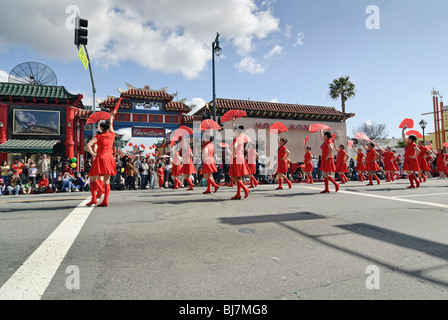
(342,88)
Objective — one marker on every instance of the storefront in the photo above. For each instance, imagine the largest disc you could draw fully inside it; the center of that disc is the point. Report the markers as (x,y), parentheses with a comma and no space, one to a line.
(36,120)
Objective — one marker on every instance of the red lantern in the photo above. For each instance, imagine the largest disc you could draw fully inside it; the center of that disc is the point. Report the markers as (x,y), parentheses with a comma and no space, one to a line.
(130,144)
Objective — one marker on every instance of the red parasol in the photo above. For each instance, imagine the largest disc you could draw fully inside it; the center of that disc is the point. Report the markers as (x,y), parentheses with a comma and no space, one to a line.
(409,123)
(318,127)
(415,133)
(98,116)
(233,114)
(210,125)
(278,127)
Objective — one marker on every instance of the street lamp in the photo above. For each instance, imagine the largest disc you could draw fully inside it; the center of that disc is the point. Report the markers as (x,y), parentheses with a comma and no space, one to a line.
(216,49)
(423,124)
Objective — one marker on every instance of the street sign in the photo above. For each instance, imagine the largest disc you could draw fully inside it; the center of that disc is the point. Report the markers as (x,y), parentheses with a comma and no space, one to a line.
(82,55)
(148,132)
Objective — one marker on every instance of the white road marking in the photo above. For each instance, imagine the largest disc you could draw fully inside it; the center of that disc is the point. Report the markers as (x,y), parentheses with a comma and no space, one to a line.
(31,280)
(433,204)
(421,195)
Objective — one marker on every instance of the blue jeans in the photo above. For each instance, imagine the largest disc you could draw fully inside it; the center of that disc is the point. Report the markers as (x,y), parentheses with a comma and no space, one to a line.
(144,181)
(15,190)
(2,190)
(67,185)
(152,181)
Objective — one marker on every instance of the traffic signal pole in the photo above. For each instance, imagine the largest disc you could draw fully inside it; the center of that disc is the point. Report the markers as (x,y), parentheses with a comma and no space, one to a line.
(93,90)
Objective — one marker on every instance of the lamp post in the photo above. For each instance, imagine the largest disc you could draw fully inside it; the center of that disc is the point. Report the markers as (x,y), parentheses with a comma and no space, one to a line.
(423,124)
(216,49)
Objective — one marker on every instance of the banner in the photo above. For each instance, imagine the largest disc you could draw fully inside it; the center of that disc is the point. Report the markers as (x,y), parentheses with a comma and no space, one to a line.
(145,132)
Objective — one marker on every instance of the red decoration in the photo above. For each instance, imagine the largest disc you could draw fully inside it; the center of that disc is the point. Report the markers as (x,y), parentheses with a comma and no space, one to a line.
(278,127)
(318,127)
(130,144)
(409,123)
(209,125)
(98,116)
(415,133)
(233,114)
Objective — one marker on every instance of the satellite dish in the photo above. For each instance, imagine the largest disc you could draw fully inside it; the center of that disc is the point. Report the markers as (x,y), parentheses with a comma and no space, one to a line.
(33,73)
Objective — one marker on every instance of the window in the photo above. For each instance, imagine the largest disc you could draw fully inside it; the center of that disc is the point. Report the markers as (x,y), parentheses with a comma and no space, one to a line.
(156,118)
(171,119)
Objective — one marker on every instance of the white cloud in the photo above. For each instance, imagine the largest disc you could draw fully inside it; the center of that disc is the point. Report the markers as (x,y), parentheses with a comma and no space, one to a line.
(276,50)
(369,123)
(287,32)
(3,76)
(195,104)
(249,64)
(170,36)
(275,100)
(299,41)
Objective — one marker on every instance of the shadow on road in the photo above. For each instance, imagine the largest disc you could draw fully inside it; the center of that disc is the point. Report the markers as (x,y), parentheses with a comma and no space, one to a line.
(271,218)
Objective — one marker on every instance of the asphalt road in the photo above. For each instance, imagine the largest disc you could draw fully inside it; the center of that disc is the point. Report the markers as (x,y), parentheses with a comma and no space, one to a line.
(281,245)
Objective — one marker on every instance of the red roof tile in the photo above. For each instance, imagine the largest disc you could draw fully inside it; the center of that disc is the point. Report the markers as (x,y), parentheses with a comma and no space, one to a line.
(177,106)
(147,94)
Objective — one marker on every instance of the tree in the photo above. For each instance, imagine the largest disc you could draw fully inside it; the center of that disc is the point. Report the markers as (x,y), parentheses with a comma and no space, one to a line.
(376,132)
(342,88)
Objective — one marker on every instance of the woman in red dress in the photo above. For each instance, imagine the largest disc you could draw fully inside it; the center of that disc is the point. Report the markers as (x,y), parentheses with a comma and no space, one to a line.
(441,163)
(341,163)
(103,160)
(423,164)
(396,167)
(410,164)
(282,163)
(252,156)
(308,162)
(360,166)
(209,165)
(389,166)
(327,165)
(238,166)
(371,164)
(187,166)
(175,170)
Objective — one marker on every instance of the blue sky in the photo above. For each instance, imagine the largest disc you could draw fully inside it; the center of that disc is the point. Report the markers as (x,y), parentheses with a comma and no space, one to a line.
(284,50)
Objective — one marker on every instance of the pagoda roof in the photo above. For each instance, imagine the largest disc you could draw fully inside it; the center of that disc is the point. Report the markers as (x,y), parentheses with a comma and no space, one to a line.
(263,109)
(146,93)
(29,93)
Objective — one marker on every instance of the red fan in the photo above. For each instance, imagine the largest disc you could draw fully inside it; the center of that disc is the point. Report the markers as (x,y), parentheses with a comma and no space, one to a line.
(362,136)
(350,144)
(209,125)
(445,144)
(306,140)
(184,131)
(117,105)
(333,136)
(409,123)
(224,145)
(415,133)
(233,114)
(318,127)
(98,116)
(278,127)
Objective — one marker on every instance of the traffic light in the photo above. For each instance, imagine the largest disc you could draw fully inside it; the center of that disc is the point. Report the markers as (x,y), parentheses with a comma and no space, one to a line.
(81,31)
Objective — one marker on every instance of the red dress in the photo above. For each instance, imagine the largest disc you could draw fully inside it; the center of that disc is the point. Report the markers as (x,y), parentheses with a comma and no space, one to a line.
(238,165)
(161,174)
(371,164)
(441,162)
(327,165)
(252,161)
(282,165)
(360,166)
(341,164)
(209,165)
(389,161)
(423,164)
(104,163)
(188,166)
(308,162)
(410,164)
(175,170)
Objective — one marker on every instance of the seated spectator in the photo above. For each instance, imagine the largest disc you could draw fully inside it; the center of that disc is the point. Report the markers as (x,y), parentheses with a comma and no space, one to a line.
(28,187)
(54,176)
(66,168)
(15,184)
(43,185)
(67,182)
(58,184)
(2,187)
(79,182)
(32,174)
(86,182)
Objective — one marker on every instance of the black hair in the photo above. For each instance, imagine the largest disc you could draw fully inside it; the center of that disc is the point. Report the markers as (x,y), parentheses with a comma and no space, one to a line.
(413,137)
(238,128)
(285,141)
(328,134)
(308,148)
(342,146)
(371,144)
(105,125)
